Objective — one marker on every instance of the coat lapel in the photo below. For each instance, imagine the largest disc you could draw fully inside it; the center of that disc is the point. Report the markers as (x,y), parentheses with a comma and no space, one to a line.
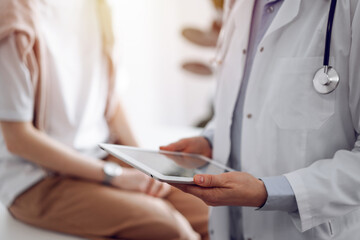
(288,11)
(236,38)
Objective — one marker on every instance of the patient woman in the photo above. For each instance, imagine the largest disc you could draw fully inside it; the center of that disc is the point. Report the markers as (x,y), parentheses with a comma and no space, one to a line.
(56,105)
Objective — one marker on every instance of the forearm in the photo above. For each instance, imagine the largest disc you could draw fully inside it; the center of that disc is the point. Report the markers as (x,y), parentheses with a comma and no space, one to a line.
(24,140)
(120,128)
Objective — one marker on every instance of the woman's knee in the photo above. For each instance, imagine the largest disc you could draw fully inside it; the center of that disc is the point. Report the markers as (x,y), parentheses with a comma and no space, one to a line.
(158,221)
(160,230)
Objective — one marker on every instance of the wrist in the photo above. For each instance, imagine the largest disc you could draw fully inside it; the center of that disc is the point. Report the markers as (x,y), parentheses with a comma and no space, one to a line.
(208,141)
(121,180)
(207,147)
(111,171)
(261,196)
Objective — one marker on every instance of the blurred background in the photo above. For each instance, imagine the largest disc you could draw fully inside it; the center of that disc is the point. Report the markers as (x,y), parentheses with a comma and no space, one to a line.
(151,49)
(165,81)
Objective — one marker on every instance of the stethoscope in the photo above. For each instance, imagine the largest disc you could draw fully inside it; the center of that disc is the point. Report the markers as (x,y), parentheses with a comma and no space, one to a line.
(326,79)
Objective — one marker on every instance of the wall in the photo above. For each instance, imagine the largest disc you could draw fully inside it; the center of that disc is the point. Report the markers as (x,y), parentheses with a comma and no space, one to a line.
(154,89)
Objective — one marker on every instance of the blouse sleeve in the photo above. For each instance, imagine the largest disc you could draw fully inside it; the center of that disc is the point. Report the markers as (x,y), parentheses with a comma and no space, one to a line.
(16,89)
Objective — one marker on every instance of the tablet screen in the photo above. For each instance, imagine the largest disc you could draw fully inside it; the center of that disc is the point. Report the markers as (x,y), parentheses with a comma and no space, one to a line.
(171,164)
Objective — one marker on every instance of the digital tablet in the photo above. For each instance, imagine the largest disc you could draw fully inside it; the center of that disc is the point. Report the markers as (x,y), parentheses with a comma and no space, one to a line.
(170,167)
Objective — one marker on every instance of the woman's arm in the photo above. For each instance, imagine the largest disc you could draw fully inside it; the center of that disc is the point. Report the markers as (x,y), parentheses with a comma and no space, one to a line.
(24,140)
(120,128)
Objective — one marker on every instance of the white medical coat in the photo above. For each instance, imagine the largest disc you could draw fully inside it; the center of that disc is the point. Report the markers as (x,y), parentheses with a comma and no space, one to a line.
(289,128)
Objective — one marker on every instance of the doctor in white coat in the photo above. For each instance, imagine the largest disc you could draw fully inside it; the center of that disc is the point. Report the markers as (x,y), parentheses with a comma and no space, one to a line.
(288,129)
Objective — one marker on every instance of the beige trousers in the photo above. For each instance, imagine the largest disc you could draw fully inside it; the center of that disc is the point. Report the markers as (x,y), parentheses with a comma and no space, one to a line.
(95,211)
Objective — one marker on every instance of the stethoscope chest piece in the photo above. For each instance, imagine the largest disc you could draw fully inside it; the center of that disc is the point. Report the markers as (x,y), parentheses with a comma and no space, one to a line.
(326,80)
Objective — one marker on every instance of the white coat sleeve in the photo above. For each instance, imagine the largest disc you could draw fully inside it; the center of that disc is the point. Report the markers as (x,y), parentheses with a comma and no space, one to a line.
(208,132)
(329,188)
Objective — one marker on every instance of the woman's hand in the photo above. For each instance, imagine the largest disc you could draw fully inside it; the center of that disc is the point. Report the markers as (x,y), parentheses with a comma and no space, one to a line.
(133,180)
(197,145)
(227,189)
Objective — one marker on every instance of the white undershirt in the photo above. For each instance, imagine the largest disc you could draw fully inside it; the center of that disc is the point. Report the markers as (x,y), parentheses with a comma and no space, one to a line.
(76,94)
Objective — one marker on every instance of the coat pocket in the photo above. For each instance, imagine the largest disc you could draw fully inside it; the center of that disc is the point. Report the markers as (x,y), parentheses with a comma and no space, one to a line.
(296,104)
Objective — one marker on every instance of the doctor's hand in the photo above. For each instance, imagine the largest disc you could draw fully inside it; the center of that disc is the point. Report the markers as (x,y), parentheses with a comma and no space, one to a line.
(227,189)
(133,180)
(197,145)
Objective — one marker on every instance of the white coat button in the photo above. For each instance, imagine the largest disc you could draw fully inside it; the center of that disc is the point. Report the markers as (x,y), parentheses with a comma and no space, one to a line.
(211,232)
(270,9)
(249,116)
(244,51)
(261,49)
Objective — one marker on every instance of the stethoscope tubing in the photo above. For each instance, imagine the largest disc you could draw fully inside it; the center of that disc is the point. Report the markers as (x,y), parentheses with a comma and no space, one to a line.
(327,79)
(329,32)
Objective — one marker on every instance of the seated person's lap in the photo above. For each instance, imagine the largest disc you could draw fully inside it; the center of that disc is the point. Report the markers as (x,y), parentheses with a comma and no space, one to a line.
(92,210)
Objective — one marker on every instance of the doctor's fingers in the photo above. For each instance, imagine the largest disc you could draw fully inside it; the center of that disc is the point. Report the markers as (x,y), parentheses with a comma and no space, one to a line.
(175,146)
(208,180)
(211,196)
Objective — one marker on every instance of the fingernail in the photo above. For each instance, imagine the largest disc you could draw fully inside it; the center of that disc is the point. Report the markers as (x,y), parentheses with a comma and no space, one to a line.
(200,179)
